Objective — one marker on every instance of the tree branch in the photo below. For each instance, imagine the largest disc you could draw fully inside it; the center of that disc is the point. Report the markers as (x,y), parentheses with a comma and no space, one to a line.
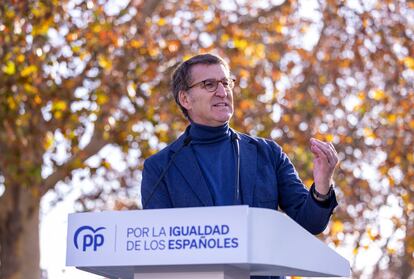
(246,21)
(97,143)
(148,9)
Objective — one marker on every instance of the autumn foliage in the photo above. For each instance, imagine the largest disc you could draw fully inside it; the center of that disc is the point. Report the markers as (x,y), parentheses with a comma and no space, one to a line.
(83,80)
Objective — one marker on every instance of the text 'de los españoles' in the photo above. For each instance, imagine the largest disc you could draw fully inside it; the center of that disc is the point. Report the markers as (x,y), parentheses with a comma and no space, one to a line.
(180,238)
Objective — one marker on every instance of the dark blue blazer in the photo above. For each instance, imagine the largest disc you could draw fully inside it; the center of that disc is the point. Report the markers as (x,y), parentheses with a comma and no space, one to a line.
(267,180)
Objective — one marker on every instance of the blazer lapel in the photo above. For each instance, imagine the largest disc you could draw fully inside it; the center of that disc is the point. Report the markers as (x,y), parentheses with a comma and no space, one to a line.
(248,169)
(187,164)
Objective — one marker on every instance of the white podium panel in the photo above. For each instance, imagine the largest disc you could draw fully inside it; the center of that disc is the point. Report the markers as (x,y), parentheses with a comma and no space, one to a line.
(229,241)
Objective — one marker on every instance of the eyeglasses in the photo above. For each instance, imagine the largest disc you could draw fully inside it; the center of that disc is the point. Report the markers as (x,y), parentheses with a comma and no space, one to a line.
(211,84)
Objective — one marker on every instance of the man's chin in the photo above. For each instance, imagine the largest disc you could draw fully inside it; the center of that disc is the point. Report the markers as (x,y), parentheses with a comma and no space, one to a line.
(224,118)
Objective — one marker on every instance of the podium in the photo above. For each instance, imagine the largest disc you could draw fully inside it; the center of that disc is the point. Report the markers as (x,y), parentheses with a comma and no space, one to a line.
(198,242)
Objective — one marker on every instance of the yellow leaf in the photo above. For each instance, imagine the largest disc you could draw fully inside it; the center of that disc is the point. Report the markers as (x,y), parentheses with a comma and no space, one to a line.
(274,55)
(153,52)
(349,139)
(369,133)
(378,94)
(337,227)
(30,88)
(397,159)
(278,27)
(106,165)
(9,68)
(59,106)
(39,10)
(106,135)
(28,70)
(409,62)
(308,182)
(344,63)
(101,99)
(82,55)
(104,62)
(246,104)
(37,100)
(260,50)
(410,157)
(96,28)
(361,95)
(71,36)
(405,197)
(57,114)
(286,118)
(76,49)
(244,73)
(48,141)
(241,44)
(12,103)
(224,38)
(161,22)
(186,57)
(20,58)
(10,14)
(329,137)
(392,118)
(137,43)
(42,28)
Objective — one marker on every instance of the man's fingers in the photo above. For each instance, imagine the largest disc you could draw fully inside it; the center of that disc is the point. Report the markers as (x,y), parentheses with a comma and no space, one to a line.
(332,147)
(320,153)
(327,149)
(323,146)
(327,144)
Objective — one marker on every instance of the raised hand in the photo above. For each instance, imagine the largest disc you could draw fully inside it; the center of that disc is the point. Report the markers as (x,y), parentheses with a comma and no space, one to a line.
(324,164)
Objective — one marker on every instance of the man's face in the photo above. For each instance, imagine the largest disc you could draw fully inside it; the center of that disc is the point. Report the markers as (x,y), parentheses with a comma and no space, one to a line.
(204,107)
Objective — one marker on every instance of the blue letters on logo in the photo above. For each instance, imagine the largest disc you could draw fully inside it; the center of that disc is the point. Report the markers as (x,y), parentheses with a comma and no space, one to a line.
(89,240)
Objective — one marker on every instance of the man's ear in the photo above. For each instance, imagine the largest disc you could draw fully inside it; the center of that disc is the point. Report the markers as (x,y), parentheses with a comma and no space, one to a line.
(184,99)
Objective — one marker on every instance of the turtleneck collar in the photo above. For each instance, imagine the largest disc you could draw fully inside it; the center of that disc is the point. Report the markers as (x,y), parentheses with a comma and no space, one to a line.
(206,134)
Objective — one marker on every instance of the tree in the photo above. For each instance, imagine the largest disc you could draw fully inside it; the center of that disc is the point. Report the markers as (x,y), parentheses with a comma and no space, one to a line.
(78,76)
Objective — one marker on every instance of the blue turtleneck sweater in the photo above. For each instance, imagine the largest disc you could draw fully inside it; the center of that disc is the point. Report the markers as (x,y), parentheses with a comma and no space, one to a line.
(215,154)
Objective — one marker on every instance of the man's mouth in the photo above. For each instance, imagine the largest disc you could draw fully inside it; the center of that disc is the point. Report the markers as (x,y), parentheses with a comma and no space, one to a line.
(221,105)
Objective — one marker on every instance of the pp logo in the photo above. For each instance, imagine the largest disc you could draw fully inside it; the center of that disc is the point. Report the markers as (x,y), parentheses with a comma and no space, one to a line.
(90,237)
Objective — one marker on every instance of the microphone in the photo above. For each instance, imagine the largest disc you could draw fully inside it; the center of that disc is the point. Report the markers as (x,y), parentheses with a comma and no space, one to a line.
(235,138)
(187,141)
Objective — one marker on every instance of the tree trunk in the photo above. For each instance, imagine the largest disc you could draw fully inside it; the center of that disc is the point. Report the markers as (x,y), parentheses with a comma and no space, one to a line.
(19,234)
(406,268)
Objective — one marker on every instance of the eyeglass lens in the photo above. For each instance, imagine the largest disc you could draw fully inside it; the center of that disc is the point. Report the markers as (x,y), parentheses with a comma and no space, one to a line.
(212,84)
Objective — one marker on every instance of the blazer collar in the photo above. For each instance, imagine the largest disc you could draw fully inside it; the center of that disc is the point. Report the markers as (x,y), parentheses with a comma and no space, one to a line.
(248,169)
(187,164)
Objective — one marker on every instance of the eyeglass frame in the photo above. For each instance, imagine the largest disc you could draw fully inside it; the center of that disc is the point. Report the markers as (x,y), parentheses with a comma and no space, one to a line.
(203,82)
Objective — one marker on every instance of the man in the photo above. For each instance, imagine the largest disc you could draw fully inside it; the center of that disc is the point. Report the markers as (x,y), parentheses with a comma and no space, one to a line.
(211,164)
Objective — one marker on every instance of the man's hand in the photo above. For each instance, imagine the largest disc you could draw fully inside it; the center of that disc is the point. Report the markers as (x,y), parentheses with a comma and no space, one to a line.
(324,164)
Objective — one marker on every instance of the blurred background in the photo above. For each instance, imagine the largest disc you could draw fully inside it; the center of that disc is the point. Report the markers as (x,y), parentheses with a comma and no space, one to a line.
(84,99)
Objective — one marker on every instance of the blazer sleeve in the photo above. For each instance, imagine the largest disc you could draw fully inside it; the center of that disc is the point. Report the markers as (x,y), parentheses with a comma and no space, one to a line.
(296,201)
(153,195)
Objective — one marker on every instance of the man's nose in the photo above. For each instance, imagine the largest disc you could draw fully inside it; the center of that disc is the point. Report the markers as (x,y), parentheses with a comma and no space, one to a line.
(221,91)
